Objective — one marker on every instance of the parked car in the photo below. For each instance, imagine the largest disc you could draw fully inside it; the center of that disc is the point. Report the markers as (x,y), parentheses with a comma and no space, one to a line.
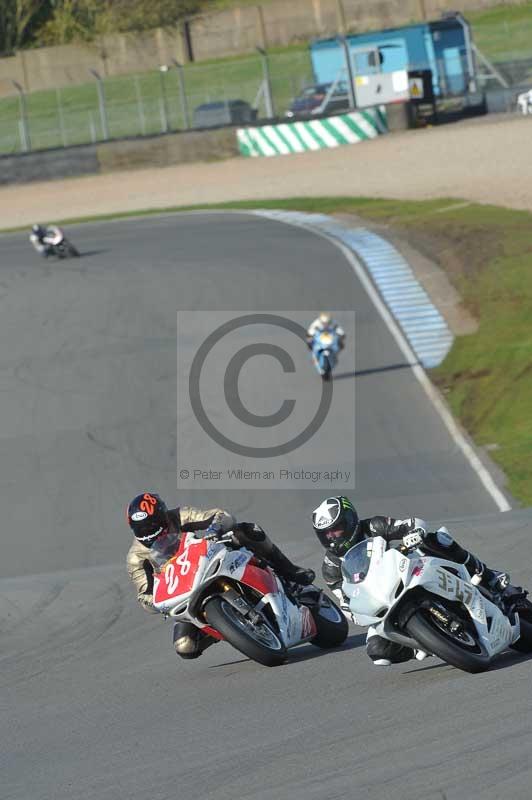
(224,112)
(312,100)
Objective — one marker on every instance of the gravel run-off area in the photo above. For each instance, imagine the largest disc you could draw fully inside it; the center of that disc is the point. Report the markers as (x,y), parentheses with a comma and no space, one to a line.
(487,160)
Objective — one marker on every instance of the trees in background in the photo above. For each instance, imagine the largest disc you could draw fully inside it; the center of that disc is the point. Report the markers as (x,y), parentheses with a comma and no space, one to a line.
(37,22)
(19,19)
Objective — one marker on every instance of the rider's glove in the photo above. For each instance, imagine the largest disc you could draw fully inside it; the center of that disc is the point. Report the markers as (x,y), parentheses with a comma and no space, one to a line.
(213,532)
(413,539)
(413,530)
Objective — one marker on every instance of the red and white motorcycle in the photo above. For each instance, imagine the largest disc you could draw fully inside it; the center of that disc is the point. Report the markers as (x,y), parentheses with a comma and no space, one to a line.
(231,595)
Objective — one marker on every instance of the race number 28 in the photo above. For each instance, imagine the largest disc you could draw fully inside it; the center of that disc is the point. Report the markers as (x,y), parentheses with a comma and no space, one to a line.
(171,578)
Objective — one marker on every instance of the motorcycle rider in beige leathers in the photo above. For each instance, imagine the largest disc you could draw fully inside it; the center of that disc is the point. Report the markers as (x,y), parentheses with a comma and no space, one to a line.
(149,519)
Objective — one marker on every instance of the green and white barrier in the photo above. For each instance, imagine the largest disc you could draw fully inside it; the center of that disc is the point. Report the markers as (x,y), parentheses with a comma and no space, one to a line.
(316,134)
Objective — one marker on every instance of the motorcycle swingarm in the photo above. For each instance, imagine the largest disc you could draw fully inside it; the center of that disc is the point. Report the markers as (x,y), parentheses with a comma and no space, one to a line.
(241,605)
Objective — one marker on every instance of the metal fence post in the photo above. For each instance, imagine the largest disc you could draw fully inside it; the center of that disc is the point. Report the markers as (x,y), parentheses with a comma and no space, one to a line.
(270,112)
(24,128)
(163,69)
(182,93)
(349,67)
(101,103)
(92,128)
(61,117)
(140,106)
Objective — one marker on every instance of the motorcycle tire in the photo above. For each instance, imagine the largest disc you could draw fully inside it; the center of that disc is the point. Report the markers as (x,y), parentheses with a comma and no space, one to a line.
(243,635)
(424,629)
(332,626)
(524,643)
(72,251)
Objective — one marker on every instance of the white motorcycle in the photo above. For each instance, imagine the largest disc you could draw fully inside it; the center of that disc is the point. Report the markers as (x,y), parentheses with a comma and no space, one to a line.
(430,604)
(226,592)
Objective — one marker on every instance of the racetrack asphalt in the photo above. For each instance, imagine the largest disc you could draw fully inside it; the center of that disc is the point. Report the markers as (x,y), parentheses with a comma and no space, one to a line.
(96,705)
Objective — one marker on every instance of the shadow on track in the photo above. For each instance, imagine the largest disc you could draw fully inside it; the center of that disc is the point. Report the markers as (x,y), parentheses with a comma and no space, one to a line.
(309,651)
(305,652)
(360,373)
(504,661)
(87,253)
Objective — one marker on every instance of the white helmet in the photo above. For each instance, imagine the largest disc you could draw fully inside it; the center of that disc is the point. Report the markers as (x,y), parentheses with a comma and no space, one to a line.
(325,318)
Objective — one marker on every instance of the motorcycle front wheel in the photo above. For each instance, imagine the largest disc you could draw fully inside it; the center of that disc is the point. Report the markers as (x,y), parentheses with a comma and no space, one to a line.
(256,640)
(73,252)
(461,648)
(524,643)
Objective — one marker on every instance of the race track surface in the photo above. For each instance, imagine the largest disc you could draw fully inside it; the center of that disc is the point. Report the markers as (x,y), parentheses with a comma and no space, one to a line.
(95,704)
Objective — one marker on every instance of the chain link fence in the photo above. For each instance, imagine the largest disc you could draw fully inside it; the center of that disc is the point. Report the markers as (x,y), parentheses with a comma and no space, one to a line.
(180,98)
(164,100)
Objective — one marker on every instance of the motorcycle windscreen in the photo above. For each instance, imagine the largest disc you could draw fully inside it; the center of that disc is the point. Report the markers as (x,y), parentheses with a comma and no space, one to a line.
(356,562)
(356,567)
(164,548)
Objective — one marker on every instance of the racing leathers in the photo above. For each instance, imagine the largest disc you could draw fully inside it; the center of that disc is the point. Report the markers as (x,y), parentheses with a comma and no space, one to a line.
(318,325)
(44,240)
(189,641)
(412,532)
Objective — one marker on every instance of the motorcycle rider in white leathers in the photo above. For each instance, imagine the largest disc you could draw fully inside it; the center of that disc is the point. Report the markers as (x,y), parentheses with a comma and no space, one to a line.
(338,528)
(150,519)
(44,237)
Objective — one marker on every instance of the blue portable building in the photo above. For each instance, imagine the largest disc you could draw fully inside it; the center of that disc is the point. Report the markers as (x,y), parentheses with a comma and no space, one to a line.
(443,46)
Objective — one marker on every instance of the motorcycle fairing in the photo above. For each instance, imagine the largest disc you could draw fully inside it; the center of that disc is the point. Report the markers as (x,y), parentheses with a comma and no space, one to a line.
(391,576)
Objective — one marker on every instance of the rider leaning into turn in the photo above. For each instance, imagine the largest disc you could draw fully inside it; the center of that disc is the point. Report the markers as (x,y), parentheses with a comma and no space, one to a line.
(322,323)
(150,519)
(42,238)
(338,528)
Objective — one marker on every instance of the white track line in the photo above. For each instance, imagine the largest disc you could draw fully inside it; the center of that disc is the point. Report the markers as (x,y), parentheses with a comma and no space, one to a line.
(448,420)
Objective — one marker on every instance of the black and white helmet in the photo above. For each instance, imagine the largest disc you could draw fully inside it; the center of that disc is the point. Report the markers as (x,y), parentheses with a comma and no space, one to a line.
(335,524)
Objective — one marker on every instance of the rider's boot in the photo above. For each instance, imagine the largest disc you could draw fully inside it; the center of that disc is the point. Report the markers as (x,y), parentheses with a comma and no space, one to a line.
(383,653)
(286,569)
(441,542)
(253,537)
(494,581)
(189,641)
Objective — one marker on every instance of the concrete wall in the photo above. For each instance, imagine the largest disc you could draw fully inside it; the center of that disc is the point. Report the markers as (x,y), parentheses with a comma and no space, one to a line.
(47,165)
(226,33)
(159,151)
(117,54)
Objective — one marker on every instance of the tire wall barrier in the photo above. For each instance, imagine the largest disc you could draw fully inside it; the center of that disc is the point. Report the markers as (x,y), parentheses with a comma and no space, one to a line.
(316,134)
(158,151)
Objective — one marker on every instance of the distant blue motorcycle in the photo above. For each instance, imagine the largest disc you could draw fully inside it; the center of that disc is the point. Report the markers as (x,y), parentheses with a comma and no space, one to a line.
(325,347)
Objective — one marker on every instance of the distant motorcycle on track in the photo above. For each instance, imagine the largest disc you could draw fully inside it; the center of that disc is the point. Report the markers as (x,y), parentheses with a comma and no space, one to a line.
(431,604)
(325,346)
(228,593)
(51,241)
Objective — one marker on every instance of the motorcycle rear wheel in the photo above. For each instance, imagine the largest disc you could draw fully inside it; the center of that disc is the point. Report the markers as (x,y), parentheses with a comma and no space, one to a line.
(468,655)
(332,626)
(258,642)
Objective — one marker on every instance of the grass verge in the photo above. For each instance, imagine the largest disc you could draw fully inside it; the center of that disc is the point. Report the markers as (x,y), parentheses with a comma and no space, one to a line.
(487,254)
